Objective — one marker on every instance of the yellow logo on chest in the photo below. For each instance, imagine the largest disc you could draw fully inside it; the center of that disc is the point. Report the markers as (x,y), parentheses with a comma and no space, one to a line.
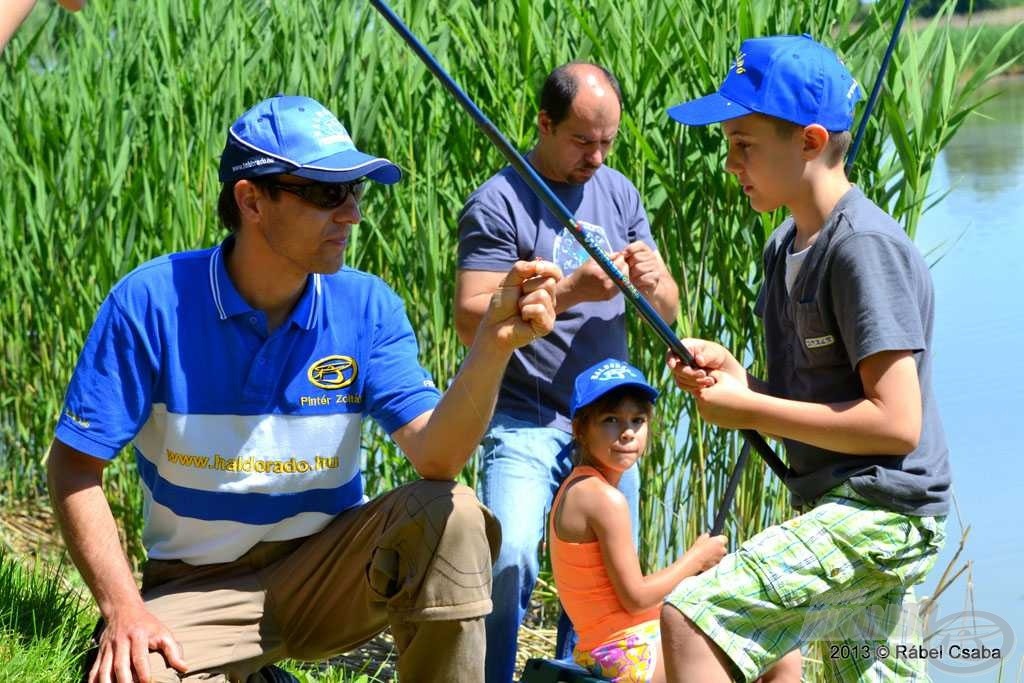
(333,372)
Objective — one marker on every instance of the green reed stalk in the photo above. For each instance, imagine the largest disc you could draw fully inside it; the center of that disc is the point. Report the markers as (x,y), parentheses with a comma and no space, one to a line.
(114,119)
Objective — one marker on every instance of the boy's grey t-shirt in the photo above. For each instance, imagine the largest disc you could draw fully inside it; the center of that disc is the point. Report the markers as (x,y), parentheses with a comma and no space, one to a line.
(504,222)
(863,288)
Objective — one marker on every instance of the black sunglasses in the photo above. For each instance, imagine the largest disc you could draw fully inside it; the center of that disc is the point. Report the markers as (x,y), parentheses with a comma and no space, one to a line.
(323,195)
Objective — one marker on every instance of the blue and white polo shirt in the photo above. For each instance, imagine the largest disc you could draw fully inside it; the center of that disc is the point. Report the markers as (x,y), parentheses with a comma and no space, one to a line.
(241,436)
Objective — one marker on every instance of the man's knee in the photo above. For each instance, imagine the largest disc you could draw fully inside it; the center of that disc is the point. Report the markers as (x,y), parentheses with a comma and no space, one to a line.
(446,546)
(452,517)
(470,521)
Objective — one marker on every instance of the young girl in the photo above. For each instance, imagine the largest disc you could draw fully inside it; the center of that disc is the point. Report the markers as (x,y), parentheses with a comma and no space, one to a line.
(614,608)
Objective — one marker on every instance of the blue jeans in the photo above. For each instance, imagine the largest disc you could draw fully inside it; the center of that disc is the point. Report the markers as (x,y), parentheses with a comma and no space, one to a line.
(521,469)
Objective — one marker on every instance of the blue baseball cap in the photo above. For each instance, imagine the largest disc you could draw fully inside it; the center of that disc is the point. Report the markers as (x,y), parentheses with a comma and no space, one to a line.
(600,378)
(297,135)
(794,78)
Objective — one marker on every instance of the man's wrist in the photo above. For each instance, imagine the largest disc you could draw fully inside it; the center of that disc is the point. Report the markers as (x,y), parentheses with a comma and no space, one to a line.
(565,295)
(125,601)
(489,348)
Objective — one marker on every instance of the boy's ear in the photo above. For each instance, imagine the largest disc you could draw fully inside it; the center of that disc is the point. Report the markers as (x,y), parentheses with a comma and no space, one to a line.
(815,140)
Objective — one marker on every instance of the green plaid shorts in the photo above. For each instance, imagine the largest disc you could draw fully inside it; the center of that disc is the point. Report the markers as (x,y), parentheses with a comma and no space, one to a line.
(840,575)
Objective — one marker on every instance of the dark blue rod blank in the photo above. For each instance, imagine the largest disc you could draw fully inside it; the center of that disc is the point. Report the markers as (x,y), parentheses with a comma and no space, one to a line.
(876,88)
(540,188)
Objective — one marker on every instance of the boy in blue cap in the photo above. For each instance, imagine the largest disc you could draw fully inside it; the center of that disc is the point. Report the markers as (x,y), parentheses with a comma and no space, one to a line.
(848,308)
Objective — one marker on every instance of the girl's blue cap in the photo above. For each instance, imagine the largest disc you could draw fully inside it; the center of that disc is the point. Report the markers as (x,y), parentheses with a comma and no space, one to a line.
(599,379)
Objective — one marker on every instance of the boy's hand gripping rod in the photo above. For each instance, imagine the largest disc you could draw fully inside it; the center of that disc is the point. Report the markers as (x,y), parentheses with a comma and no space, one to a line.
(567,219)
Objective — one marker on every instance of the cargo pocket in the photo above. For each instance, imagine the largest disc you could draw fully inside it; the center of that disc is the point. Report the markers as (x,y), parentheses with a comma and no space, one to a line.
(801,565)
(912,548)
(382,573)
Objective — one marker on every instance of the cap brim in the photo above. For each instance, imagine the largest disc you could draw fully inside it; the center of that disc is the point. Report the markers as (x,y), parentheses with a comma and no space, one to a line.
(349,165)
(651,392)
(713,108)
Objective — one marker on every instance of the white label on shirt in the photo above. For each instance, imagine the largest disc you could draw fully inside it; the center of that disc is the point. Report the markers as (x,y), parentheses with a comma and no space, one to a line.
(818,342)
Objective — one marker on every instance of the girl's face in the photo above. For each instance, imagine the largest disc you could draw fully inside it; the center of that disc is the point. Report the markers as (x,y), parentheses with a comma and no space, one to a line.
(615,437)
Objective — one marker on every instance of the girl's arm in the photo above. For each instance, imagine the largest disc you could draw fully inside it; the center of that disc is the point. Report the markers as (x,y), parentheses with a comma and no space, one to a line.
(607,514)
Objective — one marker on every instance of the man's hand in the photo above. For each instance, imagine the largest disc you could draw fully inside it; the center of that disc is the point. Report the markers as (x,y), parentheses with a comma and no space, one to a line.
(523,307)
(125,644)
(590,283)
(646,269)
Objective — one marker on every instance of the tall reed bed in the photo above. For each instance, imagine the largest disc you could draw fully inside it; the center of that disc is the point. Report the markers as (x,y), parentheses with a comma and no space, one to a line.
(113,120)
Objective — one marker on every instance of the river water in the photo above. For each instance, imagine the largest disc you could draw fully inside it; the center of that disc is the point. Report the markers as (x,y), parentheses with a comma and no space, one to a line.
(975,240)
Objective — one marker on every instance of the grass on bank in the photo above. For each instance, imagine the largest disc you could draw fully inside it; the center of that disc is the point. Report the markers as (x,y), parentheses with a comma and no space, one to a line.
(989,39)
(45,626)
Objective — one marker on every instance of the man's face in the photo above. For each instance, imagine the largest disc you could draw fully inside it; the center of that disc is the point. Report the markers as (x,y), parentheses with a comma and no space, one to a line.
(307,237)
(576,147)
(767,162)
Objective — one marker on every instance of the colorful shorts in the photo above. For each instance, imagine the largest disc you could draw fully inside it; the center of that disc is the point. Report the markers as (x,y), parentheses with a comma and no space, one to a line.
(841,573)
(630,658)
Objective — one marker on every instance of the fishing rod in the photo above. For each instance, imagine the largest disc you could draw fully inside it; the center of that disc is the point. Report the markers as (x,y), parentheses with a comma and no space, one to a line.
(540,188)
(877,88)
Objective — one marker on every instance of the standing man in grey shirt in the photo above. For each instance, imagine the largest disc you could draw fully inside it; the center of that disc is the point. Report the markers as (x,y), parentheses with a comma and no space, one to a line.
(526,450)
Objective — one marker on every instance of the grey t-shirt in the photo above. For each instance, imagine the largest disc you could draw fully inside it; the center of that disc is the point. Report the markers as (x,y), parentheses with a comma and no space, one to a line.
(502,222)
(863,288)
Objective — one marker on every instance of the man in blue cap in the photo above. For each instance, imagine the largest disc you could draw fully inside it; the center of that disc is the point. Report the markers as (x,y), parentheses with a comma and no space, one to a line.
(847,305)
(241,375)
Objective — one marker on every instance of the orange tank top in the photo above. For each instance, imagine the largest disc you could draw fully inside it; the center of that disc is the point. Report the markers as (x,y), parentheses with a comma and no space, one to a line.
(583,585)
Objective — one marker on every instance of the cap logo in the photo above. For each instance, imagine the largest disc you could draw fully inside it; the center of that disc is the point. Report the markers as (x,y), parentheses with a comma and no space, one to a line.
(853,89)
(738,64)
(250,163)
(611,372)
(328,130)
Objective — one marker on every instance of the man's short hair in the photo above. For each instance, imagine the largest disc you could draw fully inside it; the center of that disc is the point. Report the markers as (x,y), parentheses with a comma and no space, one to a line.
(838,140)
(561,86)
(227,207)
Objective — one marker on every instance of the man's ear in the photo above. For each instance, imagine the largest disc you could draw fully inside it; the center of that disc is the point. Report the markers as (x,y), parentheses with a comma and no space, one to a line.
(815,140)
(247,196)
(545,126)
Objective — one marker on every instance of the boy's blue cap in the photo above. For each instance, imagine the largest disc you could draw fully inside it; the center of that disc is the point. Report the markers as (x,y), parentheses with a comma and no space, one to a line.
(600,378)
(297,135)
(794,78)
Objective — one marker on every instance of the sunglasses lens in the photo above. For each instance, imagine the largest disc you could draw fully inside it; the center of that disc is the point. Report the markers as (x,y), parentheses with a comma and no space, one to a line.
(326,195)
(358,189)
(333,195)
